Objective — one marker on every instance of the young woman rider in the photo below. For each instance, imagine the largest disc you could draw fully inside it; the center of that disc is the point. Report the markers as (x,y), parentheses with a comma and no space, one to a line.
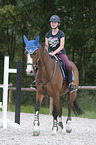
(54,44)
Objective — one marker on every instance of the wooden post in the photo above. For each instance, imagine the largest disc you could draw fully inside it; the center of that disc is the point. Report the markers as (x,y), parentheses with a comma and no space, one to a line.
(18,91)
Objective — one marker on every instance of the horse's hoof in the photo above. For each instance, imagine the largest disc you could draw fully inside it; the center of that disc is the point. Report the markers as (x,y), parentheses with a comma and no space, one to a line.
(68,127)
(63,132)
(54,131)
(36,130)
(69,130)
(36,133)
(59,129)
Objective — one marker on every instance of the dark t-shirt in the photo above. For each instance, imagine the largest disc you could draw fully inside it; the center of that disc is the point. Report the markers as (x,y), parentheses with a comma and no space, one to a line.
(54,40)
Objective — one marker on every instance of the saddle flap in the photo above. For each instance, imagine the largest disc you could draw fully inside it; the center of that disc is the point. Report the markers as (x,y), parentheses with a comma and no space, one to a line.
(62,65)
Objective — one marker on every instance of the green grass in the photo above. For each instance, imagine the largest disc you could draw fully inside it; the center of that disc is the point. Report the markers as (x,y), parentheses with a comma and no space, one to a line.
(91,114)
(85,99)
(30,109)
(88,113)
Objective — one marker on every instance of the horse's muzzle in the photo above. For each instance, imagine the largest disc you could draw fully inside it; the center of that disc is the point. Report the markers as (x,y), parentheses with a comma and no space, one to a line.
(31,73)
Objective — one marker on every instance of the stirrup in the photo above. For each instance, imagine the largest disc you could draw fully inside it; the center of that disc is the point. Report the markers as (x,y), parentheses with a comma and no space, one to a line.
(72,87)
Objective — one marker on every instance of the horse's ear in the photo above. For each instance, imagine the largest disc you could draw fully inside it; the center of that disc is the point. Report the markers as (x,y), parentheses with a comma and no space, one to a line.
(25,39)
(37,39)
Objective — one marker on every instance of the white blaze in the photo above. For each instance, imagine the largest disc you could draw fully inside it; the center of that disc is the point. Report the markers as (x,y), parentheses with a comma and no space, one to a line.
(29,67)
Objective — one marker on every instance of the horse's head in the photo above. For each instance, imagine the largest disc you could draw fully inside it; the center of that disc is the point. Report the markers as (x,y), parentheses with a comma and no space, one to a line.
(31,54)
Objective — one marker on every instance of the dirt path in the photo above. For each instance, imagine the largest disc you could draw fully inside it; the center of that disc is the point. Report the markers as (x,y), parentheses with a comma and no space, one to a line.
(83,133)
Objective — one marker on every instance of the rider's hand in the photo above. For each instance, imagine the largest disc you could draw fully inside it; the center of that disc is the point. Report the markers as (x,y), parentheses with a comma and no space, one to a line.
(51,53)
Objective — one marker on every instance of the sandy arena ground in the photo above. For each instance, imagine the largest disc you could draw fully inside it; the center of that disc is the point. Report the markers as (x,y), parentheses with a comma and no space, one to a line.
(83,132)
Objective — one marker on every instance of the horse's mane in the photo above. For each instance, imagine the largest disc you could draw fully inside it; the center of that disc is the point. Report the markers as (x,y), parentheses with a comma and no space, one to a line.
(43,47)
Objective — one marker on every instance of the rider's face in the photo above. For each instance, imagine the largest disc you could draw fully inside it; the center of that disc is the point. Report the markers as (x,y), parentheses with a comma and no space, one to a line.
(53,24)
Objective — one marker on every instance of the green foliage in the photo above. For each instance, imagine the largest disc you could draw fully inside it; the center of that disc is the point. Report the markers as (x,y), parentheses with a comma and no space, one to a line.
(87,99)
(31,17)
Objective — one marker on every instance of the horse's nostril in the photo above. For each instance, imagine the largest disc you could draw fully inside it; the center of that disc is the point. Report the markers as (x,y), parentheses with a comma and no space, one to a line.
(31,73)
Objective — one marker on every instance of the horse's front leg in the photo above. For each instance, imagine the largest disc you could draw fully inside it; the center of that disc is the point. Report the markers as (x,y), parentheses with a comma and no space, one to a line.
(36,123)
(55,126)
(60,124)
(36,128)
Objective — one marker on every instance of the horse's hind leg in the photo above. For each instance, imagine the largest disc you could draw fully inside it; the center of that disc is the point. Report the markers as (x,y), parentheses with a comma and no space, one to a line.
(72,97)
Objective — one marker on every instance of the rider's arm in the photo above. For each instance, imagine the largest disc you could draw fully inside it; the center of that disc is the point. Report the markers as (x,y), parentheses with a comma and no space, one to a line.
(46,43)
(62,40)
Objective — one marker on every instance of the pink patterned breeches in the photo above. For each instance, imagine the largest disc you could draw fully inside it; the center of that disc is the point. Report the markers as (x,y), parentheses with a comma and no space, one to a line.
(66,60)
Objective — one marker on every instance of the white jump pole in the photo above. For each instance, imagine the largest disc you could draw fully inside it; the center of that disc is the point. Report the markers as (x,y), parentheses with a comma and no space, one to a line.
(5,90)
(7,70)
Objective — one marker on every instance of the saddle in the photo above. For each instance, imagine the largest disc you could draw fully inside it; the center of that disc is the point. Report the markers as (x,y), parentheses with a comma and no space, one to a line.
(63,68)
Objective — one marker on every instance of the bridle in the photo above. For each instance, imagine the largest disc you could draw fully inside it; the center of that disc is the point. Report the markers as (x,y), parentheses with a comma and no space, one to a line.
(35,64)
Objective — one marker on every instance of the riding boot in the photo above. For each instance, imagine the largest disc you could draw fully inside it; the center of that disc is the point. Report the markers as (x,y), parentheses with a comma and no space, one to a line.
(72,87)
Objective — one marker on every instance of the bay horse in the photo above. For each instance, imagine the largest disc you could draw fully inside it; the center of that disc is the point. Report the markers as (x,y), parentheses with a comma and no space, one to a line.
(49,80)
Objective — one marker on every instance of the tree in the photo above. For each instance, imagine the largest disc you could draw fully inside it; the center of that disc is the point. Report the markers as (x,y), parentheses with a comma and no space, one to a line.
(31,18)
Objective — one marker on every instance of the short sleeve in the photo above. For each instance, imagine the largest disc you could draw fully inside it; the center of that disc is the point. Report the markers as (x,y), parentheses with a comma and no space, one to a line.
(62,34)
(48,34)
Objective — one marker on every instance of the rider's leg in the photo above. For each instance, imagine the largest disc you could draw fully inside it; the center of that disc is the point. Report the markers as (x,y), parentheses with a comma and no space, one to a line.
(72,86)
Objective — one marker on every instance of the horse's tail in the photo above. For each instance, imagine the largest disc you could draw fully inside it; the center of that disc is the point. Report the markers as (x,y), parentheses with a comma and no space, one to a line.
(77,110)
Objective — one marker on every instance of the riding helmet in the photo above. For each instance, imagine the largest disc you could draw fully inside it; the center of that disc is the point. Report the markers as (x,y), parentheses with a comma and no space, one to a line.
(55,18)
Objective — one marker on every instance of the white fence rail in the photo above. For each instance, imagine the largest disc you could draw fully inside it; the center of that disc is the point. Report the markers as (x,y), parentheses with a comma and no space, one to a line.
(4,86)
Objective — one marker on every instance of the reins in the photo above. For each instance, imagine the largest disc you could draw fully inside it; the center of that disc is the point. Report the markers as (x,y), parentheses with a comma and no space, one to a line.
(35,67)
(42,84)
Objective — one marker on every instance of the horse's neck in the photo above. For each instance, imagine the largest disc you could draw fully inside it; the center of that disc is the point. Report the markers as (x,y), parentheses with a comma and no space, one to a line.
(45,58)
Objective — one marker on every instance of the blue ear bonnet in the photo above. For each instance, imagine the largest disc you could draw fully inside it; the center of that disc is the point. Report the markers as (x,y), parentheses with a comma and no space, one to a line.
(31,45)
